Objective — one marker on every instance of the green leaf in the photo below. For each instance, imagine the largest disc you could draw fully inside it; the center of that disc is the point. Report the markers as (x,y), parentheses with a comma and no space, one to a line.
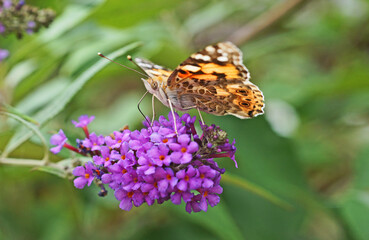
(19,72)
(209,16)
(248,186)
(132,13)
(354,208)
(32,130)
(16,112)
(362,170)
(267,161)
(217,220)
(42,95)
(115,116)
(52,170)
(355,211)
(72,15)
(59,102)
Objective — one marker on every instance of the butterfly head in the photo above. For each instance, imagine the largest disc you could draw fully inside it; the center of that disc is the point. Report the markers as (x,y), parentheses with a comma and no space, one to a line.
(151,85)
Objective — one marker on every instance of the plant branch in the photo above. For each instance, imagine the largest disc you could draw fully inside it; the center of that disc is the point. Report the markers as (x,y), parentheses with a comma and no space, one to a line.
(264,21)
(22,162)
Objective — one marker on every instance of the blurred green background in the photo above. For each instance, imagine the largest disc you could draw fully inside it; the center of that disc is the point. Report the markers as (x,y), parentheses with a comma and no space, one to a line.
(310,149)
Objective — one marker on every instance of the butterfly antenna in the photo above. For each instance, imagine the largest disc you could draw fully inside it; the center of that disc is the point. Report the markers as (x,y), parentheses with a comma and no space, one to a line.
(103,56)
(130,59)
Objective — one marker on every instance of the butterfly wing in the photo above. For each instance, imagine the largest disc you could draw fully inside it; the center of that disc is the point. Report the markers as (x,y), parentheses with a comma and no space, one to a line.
(155,72)
(215,81)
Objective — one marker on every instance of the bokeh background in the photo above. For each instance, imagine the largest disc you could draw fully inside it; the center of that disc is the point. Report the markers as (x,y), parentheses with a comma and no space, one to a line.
(303,166)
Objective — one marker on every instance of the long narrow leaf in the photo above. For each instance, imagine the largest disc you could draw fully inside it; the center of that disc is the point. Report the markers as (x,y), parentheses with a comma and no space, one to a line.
(217,220)
(244,184)
(59,103)
(32,129)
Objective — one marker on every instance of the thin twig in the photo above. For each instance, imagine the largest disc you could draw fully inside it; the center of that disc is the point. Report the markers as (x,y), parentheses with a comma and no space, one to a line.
(264,21)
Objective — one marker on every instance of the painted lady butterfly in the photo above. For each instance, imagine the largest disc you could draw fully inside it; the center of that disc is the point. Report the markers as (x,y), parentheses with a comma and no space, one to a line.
(213,80)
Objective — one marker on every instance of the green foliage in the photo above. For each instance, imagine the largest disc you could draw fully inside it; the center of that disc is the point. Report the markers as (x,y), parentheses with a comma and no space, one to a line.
(301,179)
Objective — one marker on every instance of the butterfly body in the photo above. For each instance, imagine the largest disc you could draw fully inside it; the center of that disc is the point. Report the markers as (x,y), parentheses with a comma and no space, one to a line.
(213,80)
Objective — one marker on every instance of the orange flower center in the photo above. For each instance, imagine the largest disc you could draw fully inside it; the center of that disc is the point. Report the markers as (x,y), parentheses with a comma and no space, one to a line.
(124,171)
(97,172)
(155,184)
(135,180)
(165,140)
(107,159)
(169,177)
(187,178)
(184,150)
(87,175)
(123,157)
(206,193)
(129,194)
(162,157)
(202,176)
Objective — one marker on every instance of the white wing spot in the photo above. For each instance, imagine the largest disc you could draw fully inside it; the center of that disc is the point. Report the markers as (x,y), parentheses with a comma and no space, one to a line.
(144,65)
(155,72)
(158,67)
(210,49)
(191,68)
(202,57)
(222,59)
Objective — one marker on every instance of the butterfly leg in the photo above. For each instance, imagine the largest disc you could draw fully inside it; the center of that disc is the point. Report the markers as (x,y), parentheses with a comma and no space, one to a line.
(174,117)
(202,120)
(139,109)
(153,110)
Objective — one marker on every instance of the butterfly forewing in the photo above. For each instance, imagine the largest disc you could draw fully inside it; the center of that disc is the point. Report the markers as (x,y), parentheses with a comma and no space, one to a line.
(215,81)
(155,72)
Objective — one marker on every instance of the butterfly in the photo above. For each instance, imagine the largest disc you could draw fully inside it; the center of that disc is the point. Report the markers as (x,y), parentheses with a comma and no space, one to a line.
(213,80)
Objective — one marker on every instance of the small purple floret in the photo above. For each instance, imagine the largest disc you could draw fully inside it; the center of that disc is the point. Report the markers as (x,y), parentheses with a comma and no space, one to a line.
(7,3)
(83,121)
(3,52)
(59,140)
(31,24)
(85,175)
(2,29)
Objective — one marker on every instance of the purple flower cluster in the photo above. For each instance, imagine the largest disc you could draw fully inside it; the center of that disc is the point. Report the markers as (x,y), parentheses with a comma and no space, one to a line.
(154,163)
(17,17)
